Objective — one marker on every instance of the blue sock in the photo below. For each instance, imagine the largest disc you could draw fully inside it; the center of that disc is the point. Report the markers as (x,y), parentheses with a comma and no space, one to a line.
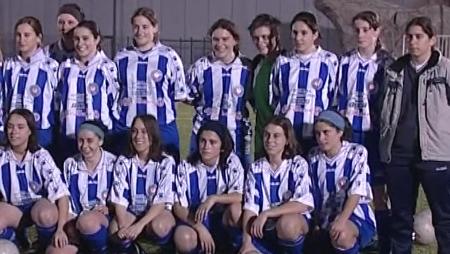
(45,235)
(8,233)
(383,218)
(295,246)
(98,241)
(124,246)
(352,250)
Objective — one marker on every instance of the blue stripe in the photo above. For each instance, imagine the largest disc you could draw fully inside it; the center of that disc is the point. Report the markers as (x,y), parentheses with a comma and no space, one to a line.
(302,85)
(22,178)
(92,188)
(37,180)
(194,192)
(318,198)
(38,104)
(291,182)
(140,182)
(81,90)
(211,184)
(348,168)
(127,192)
(122,67)
(8,87)
(343,95)
(6,178)
(23,77)
(75,193)
(360,84)
(162,66)
(226,94)
(109,179)
(141,76)
(274,188)
(208,91)
(284,70)
(323,74)
(365,209)
(63,87)
(99,79)
(258,199)
(330,177)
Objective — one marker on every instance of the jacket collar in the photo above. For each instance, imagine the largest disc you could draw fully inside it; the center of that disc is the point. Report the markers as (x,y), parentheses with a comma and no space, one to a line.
(401,63)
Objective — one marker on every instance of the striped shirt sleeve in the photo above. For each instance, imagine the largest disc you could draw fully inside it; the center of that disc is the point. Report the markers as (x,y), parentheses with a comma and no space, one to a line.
(120,193)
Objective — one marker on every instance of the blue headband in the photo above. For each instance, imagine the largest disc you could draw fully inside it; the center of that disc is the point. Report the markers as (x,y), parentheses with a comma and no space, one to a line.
(332,117)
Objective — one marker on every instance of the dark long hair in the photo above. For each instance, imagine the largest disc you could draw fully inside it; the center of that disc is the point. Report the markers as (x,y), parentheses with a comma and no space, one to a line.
(273,24)
(153,134)
(230,27)
(373,20)
(32,145)
(93,27)
(292,147)
(225,149)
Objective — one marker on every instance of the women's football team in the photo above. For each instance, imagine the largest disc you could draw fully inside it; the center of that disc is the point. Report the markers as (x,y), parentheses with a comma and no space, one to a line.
(91,152)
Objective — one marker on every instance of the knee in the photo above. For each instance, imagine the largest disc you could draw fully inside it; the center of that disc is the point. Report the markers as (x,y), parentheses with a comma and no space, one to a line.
(161,226)
(345,241)
(44,215)
(185,239)
(66,250)
(290,227)
(232,215)
(88,223)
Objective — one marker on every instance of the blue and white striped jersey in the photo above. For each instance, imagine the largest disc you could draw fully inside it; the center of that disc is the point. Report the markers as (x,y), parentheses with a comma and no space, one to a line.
(360,85)
(88,93)
(31,84)
(151,82)
(194,183)
(36,176)
(345,174)
(303,86)
(266,188)
(137,186)
(88,189)
(218,91)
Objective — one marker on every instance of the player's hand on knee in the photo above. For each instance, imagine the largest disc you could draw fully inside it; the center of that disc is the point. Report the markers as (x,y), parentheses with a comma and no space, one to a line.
(337,227)
(257,228)
(60,239)
(206,240)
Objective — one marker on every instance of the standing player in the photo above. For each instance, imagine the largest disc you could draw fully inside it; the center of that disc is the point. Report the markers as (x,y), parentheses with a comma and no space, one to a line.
(278,198)
(88,176)
(88,86)
(209,192)
(30,184)
(361,76)
(265,33)
(152,79)
(304,80)
(341,188)
(415,136)
(69,15)
(218,88)
(30,79)
(142,191)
